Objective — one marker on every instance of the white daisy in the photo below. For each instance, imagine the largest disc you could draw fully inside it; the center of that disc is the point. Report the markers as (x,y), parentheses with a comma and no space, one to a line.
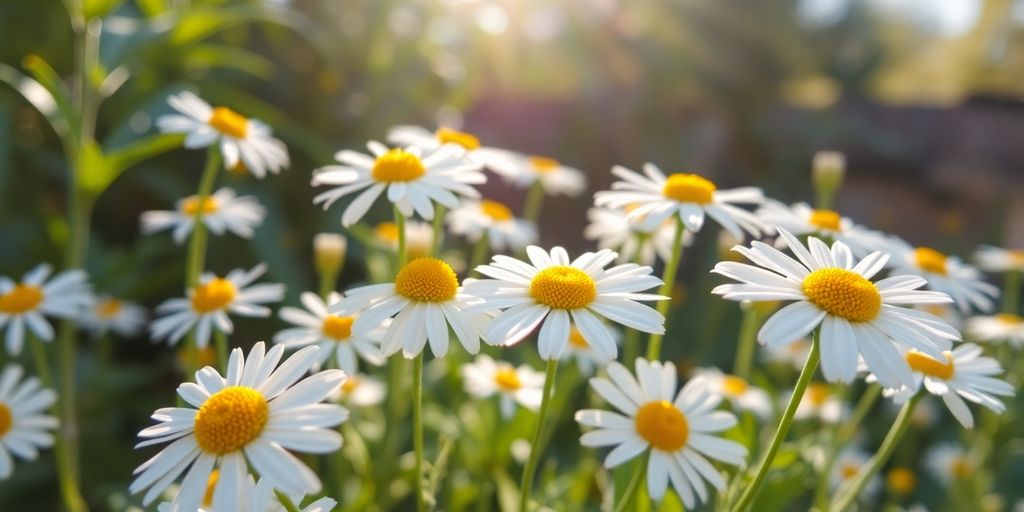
(243,142)
(612,230)
(946,274)
(737,390)
(587,359)
(505,232)
(1003,327)
(424,299)
(413,180)
(791,354)
(996,259)
(819,402)
(856,315)
(24,425)
(484,377)
(501,161)
(949,463)
(222,211)
(112,314)
(847,464)
(554,178)
(901,481)
(360,390)
(332,333)
(800,219)
(557,289)
(256,497)
(251,417)
(207,305)
(963,373)
(676,427)
(655,198)
(418,237)
(23,303)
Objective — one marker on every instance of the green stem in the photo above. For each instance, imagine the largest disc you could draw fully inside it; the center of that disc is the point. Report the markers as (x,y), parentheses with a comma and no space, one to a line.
(842,432)
(787,421)
(220,342)
(196,259)
(860,411)
(536,445)
(328,283)
(747,342)
(479,253)
(534,199)
(1011,292)
(403,254)
(66,469)
(668,280)
(438,229)
(286,502)
(850,492)
(417,422)
(627,500)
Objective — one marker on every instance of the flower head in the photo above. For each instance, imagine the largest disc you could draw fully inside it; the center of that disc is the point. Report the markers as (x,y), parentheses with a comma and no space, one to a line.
(24,425)
(222,211)
(997,259)
(800,219)
(26,303)
(498,160)
(743,395)
(360,390)
(1004,327)
(332,333)
(112,314)
(947,274)
(485,377)
(504,231)
(949,463)
(554,177)
(612,230)
(587,359)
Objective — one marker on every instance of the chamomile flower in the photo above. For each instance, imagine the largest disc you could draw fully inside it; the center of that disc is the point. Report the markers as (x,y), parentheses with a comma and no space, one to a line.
(499,160)
(946,274)
(418,237)
(655,197)
(555,178)
(24,425)
(901,481)
(485,377)
(222,211)
(424,300)
(360,390)
(612,230)
(552,289)
(250,417)
(112,314)
(332,333)
(27,302)
(856,315)
(208,303)
(819,402)
(678,428)
(949,463)
(587,359)
(243,141)
(996,259)
(963,373)
(848,463)
(505,232)
(800,219)
(792,354)
(1003,327)
(737,390)
(413,180)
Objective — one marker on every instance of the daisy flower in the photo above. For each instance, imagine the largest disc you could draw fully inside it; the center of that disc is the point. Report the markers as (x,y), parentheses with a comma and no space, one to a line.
(208,303)
(243,141)
(222,211)
(996,259)
(24,425)
(505,232)
(587,359)
(800,219)
(501,161)
(112,314)
(360,390)
(612,230)
(856,315)
(791,354)
(418,237)
(424,299)
(413,180)
(484,377)
(819,402)
(949,463)
(332,333)
(655,198)
(676,427)
(737,390)
(963,373)
(847,464)
(552,289)
(250,417)
(946,274)
(1003,327)
(901,480)
(66,295)
(554,178)
(257,497)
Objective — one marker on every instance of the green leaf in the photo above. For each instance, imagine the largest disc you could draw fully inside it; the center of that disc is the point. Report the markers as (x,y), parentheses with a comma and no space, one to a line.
(229,57)
(150,8)
(43,100)
(93,173)
(144,149)
(100,8)
(99,170)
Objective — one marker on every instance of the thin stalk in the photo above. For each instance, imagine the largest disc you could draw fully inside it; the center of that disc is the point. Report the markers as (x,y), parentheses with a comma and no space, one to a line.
(786,422)
(842,432)
(196,258)
(536,445)
(328,282)
(479,253)
(417,422)
(627,501)
(747,342)
(403,254)
(1011,292)
(220,343)
(286,502)
(668,280)
(534,199)
(66,471)
(438,228)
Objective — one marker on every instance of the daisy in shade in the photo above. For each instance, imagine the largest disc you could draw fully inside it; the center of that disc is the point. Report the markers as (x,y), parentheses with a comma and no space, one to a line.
(554,178)
(800,219)
(112,314)
(946,274)
(655,197)
(485,377)
(208,303)
(819,402)
(552,289)
(857,316)
(996,259)
(222,211)
(24,425)
(418,237)
(66,295)
(243,141)
(791,354)
(424,300)
(848,463)
(505,232)
(961,374)
(250,417)
(360,390)
(587,359)
(412,179)
(737,390)
(501,161)
(1003,327)
(332,333)
(612,230)
(949,463)
(677,428)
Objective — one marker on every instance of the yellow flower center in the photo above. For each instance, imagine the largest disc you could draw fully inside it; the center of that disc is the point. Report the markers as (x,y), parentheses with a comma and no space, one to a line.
(563,287)
(662,425)
(576,339)
(107,308)
(427,280)
(192,205)
(350,384)
(689,188)
(1008,318)
(901,480)
(6,419)
(213,295)
(960,468)
(211,484)
(22,298)
(495,210)
(930,260)
(817,393)
(466,140)
(386,231)
(230,419)
(397,165)
(848,470)
(1016,256)
(733,385)
(338,328)
(843,293)
(825,219)
(507,379)
(921,363)
(239,169)
(229,122)
(543,164)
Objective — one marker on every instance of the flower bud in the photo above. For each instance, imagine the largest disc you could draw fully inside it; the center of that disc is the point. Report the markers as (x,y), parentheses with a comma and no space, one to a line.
(827,174)
(329,253)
